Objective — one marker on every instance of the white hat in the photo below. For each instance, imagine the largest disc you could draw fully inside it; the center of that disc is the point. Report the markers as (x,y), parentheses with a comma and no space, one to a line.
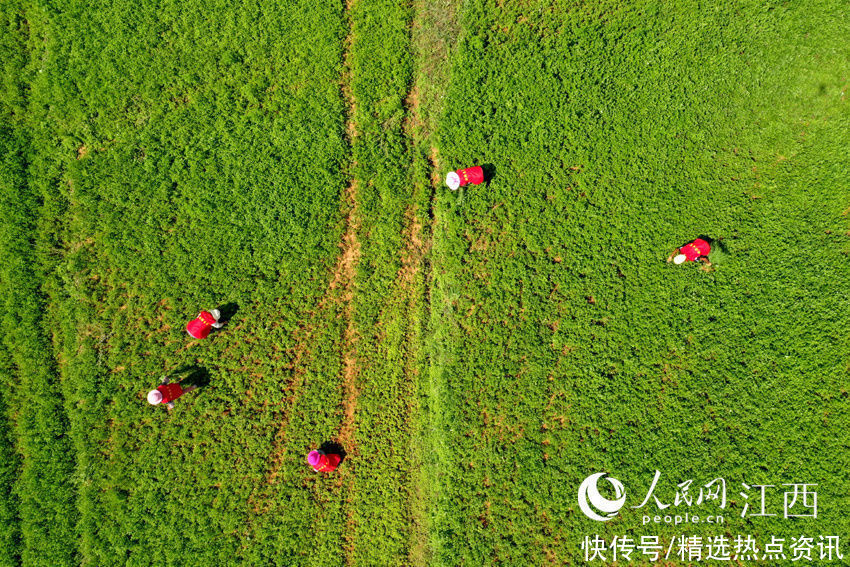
(679,259)
(154,397)
(453,180)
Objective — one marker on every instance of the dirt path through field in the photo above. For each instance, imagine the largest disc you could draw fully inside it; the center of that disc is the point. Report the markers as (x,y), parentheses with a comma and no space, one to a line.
(412,285)
(388,356)
(434,25)
(344,283)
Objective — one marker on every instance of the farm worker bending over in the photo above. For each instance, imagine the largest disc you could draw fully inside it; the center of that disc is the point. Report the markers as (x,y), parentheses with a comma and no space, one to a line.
(322,462)
(200,327)
(166,393)
(696,250)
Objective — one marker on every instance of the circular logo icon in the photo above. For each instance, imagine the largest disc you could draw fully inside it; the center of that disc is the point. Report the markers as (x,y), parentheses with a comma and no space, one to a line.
(591,502)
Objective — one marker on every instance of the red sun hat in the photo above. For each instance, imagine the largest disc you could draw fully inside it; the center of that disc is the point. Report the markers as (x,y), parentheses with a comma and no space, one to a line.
(314,458)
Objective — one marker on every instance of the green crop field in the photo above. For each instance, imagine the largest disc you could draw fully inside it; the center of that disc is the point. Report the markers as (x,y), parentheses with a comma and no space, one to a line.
(476,354)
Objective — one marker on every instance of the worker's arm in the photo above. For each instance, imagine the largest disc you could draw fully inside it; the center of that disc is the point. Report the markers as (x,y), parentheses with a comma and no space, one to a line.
(217,315)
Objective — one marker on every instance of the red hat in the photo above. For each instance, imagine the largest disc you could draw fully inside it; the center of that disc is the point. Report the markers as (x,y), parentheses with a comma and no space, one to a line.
(314,458)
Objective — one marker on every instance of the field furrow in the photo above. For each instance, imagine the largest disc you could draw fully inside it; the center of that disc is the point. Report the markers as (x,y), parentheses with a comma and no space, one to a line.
(382,508)
(345,281)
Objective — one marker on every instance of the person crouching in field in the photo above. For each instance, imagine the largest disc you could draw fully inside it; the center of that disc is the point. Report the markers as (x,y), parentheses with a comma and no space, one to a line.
(322,462)
(696,250)
(166,393)
(200,327)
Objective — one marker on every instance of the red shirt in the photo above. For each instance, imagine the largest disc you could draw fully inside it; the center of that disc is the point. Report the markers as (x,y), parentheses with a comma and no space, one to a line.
(695,249)
(327,463)
(474,175)
(200,328)
(170,392)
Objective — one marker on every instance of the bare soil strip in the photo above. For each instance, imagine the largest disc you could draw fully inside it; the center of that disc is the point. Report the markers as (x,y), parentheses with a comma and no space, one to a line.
(344,283)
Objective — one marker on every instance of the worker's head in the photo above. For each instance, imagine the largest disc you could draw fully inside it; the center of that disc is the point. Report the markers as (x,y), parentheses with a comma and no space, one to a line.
(314,457)
(679,259)
(154,397)
(453,180)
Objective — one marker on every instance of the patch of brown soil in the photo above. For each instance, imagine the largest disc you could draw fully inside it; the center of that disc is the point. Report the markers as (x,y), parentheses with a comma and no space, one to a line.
(413,121)
(434,159)
(345,271)
(413,252)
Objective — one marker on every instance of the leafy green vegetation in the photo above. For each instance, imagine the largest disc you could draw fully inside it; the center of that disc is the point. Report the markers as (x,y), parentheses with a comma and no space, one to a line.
(171,157)
(566,346)
(36,497)
(476,354)
(43,464)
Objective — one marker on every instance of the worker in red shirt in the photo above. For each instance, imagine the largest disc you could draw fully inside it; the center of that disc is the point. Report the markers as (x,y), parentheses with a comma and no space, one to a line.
(693,251)
(322,462)
(200,327)
(166,393)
